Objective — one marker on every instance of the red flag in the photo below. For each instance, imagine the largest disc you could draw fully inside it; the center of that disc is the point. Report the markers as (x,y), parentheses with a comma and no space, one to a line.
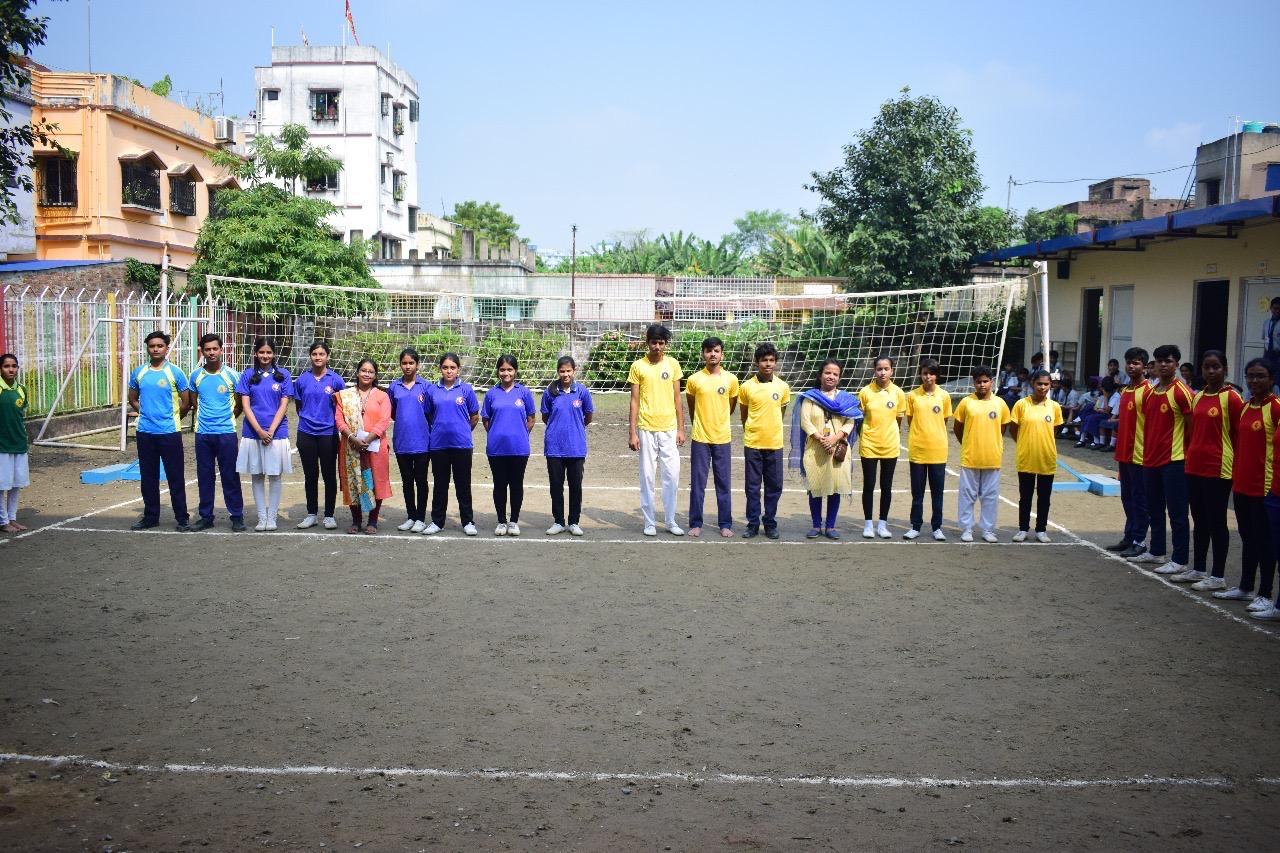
(352,22)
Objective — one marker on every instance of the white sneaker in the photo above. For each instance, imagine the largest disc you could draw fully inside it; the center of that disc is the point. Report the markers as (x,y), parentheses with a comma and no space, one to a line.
(306,523)
(1146,557)
(1189,576)
(650,530)
(990,536)
(430,528)
(1234,594)
(554,529)
(1020,536)
(418,527)
(330,523)
(868,529)
(405,527)
(271,525)
(470,529)
(261,525)
(1041,536)
(938,535)
(882,530)
(500,530)
(1209,583)
(513,529)
(1170,568)
(575,530)
(1271,614)
(966,536)
(675,530)
(1259,604)
(911,534)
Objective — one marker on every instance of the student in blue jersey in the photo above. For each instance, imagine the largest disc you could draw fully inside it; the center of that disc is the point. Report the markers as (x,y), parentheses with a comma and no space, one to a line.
(454,414)
(508,413)
(411,410)
(161,395)
(213,391)
(317,393)
(265,392)
(566,411)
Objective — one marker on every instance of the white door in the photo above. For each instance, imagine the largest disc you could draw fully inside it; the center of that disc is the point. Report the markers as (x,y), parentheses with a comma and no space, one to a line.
(1255,307)
(1120,332)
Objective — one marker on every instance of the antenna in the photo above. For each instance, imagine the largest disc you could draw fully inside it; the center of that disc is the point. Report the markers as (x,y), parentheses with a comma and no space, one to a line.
(88,14)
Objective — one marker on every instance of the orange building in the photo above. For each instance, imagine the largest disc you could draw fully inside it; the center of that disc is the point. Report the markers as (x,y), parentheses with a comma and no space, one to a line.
(141,177)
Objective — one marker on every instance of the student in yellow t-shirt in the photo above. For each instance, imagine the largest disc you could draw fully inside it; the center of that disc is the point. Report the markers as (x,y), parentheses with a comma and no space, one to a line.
(763,399)
(713,395)
(980,422)
(883,406)
(928,408)
(656,423)
(1034,423)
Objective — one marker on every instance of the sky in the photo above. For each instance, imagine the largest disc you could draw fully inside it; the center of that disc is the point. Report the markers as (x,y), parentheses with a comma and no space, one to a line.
(672,116)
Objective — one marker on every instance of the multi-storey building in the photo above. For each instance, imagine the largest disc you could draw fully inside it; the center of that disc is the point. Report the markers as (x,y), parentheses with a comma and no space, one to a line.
(364,109)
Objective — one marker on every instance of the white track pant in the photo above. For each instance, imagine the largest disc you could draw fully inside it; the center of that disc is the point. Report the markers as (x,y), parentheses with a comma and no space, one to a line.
(658,450)
(979,485)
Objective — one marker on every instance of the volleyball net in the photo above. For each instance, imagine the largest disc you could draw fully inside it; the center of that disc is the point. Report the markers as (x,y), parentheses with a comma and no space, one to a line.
(602,324)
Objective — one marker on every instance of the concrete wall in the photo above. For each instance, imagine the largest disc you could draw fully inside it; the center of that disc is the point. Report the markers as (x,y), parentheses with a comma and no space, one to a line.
(108,276)
(19,239)
(1218,161)
(1163,278)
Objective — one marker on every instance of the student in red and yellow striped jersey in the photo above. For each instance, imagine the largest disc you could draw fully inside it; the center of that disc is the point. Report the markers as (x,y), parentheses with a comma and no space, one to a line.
(1214,413)
(1133,493)
(1252,476)
(1166,414)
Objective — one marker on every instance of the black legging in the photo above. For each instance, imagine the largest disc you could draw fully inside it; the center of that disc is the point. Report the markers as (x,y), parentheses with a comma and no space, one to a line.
(1042,486)
(558,468)
(319,455)
(508,476)
(455,461)
(886,467)
(413,479)
(1207,499)
(1255,537)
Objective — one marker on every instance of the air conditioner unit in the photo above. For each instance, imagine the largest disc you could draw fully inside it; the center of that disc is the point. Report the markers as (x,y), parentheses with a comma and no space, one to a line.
(224,129)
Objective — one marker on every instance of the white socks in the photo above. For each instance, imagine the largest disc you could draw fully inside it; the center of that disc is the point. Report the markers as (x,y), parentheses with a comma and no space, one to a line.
(260,495)
(277,489)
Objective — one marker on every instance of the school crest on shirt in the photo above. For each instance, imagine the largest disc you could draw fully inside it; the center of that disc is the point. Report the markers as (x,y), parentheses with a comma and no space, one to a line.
(22,399)
(937,410)
(1164,407)
(163,382)
(577,404)
(222,389)
(422,398)
(328,389)
(519,404)
(991,415)
(275,386)
(889,405)
(666,374)
(777,396)
(1129,405)
(1213,411)
(1257,425)
(459,400)
(722,390)
(1048,419)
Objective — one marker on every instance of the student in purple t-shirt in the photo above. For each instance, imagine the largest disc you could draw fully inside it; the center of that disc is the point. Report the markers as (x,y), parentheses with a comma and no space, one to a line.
(411,409)
(454,414)
(508,419)
(317,396)
(566,410)
(264,450)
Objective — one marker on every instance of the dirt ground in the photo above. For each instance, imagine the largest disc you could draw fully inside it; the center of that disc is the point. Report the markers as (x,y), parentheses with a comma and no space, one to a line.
(324,691)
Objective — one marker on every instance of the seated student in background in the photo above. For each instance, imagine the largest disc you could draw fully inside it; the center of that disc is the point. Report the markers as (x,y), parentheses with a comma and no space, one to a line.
(1113,370)
(763,400)
(567,411)
(1187,371)
(1166,419)
(1093,415)
(161,395)
(1069,399)
(1251,483)
(1055,364)
(980,422)
(217,406)
(656,425)
(928,408)
(713,395)
(1033,422)
(1129,432)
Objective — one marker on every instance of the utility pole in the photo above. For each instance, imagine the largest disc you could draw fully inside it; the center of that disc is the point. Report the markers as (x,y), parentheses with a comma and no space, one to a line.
(573,274)
(1008,198)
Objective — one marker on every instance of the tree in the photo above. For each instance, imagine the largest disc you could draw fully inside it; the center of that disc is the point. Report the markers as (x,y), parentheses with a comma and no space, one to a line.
(803,251)
(906,197)
(676,253)
(754,229)
(996,228)
(1047,224)
(268,232)
(487,219)
(21,33)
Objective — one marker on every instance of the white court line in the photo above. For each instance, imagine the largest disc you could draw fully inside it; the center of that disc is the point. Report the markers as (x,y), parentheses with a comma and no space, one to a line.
(164,490)
(625,776)
(635,488)
(537,538)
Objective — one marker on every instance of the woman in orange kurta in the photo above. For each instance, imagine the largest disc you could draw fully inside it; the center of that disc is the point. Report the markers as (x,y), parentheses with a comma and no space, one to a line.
(363,415)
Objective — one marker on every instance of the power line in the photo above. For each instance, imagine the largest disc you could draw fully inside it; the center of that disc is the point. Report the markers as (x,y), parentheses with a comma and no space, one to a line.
(1017,183)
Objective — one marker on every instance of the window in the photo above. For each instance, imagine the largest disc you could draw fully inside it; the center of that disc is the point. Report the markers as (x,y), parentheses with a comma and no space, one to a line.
(504,310)
(357,234)
(324,105)
(1212,192)
(182,196)
(140,185)
(397,186)
(413,254)
(215,209)
(270,94)
(383,171)
(324,183)
(413,111)
(397,122)
(58,182)
(386,104)
(413,219)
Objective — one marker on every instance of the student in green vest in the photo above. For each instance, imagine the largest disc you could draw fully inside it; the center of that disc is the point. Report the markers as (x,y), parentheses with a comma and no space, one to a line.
(15,471)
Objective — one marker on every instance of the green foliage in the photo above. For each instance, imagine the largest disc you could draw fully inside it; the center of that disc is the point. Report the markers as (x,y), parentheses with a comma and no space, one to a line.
(996,228)
(906,197)
(1047,224)
(20,33)
(671,254)
(610,359)
(143,275)
(163,86)
(289,157)
(754,230)
(804,251)
(535,351)
(385,347)
(487,219)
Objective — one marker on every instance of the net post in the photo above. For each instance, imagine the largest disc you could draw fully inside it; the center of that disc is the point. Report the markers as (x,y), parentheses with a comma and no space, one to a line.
(124,385)
(1042,268)
(1004,328)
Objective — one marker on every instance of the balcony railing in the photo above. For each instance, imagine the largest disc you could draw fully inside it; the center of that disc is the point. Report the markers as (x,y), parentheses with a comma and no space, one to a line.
(141,189)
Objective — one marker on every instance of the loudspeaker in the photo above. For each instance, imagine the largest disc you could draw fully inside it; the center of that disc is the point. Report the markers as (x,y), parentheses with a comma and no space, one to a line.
(1064,270)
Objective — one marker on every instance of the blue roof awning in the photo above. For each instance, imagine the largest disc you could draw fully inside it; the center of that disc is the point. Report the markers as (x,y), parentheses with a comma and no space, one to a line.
(36,266)
(1172,226)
